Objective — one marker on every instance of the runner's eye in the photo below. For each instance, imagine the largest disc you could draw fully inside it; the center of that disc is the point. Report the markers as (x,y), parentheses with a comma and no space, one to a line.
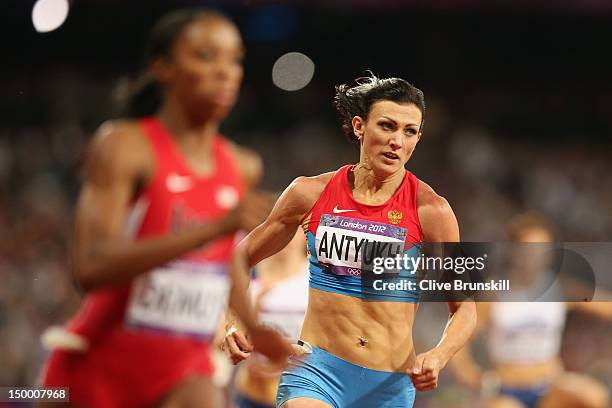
(386,126)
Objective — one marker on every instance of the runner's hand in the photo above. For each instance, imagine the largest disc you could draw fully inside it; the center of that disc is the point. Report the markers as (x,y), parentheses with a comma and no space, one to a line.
(236,346)
(425,370)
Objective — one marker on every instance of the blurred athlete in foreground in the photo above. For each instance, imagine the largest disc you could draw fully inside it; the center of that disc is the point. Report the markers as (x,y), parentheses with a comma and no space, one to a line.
(162,200)
(356,340)
(524,338)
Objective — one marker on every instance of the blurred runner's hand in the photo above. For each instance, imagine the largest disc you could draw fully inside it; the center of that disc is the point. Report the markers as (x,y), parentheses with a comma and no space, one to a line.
(252,210)
(236,346)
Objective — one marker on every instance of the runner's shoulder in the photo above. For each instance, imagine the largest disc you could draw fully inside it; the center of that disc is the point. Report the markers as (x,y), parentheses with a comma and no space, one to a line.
(114,135)
(437,219)
(312,186)
(304,191)
(429,200)
(120,146)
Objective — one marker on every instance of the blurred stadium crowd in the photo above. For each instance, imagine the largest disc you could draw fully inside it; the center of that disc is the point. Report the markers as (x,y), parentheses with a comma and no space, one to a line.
(484,149)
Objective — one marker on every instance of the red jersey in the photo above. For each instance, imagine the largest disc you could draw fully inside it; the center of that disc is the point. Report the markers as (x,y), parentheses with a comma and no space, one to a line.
(346,237)
(152,332)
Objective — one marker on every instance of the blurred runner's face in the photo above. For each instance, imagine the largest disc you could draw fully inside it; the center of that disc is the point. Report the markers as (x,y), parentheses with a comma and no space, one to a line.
(389,136)
(536,255)
(206,66)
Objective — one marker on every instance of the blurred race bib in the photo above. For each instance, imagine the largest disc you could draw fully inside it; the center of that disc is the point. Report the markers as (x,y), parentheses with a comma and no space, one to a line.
(182,297)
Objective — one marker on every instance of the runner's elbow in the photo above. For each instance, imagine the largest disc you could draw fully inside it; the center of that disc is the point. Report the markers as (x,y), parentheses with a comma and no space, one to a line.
(86,275)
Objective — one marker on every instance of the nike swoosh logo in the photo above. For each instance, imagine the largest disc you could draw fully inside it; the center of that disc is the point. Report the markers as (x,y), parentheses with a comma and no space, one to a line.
(178,184)
(339,211)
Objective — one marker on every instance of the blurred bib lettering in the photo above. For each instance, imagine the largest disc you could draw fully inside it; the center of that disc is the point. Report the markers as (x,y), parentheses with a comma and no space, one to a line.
(182,297)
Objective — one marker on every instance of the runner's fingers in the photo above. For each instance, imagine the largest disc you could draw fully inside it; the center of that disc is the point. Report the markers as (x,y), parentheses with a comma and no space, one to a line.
(241,341)
(424,380)
(425,384)
(428,386)
(237,360)
(235,351)
(426,376)
(418,365)
(430,365)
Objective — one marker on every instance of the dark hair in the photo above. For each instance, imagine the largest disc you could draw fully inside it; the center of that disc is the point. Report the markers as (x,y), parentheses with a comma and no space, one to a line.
(358,100)
(145,97)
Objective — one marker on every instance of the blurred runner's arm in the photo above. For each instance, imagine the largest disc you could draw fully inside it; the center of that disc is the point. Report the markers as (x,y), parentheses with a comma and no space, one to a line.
(119,159)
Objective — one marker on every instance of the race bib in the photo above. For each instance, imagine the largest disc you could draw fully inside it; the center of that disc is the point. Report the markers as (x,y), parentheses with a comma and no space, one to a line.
(181,297)
(348,245)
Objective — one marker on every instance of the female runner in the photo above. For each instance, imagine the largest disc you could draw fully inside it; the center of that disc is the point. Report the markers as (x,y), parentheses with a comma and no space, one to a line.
(162,200)
(356,339)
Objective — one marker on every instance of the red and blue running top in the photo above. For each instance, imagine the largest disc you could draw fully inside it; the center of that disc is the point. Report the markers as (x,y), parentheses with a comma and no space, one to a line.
(347,239)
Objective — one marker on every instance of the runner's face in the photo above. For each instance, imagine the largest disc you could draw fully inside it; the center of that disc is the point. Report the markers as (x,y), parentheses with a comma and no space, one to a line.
(388,136)
(205,69)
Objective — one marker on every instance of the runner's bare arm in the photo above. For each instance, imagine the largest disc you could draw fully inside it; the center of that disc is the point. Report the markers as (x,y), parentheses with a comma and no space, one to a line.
(277,230)
(118,159)
(280,226)
(439,224)
(265,240)
(464,367)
